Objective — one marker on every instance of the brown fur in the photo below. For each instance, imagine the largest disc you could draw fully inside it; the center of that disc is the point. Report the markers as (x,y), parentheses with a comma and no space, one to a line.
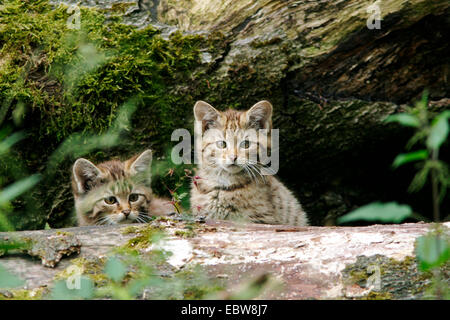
(127,182)
(230,185)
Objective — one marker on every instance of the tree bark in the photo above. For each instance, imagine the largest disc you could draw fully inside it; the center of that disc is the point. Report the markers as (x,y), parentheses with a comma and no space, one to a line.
(309,262)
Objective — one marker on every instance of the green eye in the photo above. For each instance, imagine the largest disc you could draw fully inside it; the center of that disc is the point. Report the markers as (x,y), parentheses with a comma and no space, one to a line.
(133,197)
(245,144)
(111,200)
(221,144)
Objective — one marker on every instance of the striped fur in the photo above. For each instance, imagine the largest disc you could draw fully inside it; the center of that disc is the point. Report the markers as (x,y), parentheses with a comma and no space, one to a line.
(230,186)
(127,182)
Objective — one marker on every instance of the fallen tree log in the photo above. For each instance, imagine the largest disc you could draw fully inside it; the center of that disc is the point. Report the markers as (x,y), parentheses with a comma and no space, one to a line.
(309,262)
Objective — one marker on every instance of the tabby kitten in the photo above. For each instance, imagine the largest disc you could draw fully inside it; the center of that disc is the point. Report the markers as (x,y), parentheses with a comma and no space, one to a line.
(115,192)
(229,185)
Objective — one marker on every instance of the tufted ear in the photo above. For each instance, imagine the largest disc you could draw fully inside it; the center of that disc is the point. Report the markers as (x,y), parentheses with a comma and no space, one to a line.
(207,114)
(84,174)
(260,115)
(142,162)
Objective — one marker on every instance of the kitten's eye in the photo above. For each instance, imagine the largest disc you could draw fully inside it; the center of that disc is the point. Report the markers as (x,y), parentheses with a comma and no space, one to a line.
(133,197)
(245,144)
(221,144)
(110,200)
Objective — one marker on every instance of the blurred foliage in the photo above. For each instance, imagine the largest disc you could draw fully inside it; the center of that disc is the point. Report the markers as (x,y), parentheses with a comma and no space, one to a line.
(432,249)
(432,131)
(14,189)
(65,87)
(390,212)
(140,269)
(9,280)
(433,255)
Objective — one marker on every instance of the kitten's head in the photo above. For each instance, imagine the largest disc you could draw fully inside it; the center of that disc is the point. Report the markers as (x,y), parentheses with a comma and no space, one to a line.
(232,140)
(112,192)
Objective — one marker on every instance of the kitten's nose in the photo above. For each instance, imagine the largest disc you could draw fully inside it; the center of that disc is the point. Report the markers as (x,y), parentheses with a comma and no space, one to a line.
(233,158)
(126,213)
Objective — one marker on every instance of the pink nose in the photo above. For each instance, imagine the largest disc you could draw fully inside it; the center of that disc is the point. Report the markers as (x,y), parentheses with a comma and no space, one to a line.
(126,213)
(233,158)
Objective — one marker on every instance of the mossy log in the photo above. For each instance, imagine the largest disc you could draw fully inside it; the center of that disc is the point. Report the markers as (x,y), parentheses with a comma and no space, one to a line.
(306,263)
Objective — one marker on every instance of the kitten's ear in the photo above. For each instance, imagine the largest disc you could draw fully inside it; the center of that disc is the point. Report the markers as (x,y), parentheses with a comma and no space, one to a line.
(206,113)
(142,162)
(260,115)
(84,173)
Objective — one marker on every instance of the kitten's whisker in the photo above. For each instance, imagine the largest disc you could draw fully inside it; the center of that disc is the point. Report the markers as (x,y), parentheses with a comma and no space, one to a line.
(248,172)
(255,169)
(269,169)
(143,217)
(266,167)
(140,220)
(101,220)
(252,175)
(257,174)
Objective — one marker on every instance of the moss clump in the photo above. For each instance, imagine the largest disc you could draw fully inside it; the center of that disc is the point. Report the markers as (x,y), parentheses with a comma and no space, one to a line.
(121,7)
(188,233)
(145,237)
(8,245)
(23,294)
(64,233)
(377,296)
(398,279)
(196,285)
(92,268)
(129,230)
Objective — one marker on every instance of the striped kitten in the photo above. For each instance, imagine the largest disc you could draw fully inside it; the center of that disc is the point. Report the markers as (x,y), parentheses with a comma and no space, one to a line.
(115,192)
(229,184)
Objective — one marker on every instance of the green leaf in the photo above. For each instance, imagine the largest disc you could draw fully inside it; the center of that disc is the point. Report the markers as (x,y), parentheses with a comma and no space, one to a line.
(6,144)
(183,195)
(377,211)
(115,269)
(439,131)
(17,188)
(405,119)
(61,290)
(404,158)
(419,179)
(8,280)
(432,251)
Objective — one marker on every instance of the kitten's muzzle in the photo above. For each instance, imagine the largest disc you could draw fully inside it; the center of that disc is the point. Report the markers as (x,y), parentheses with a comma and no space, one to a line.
(126,213)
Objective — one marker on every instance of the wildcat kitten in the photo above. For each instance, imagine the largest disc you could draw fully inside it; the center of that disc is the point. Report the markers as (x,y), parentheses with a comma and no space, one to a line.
(229,184)
(115,192)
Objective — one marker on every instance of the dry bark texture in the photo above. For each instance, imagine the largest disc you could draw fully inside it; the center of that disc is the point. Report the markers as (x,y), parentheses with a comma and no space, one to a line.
(309,262)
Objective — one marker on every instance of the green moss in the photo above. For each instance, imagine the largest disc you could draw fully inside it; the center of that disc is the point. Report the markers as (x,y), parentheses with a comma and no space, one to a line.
(377,296)
(264,43)
(23,294)
(64,233)
(8,245)
(121,7)
(197,287)
(185,233)
(398,279)
(129,230)
(145,237)
(92,268)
